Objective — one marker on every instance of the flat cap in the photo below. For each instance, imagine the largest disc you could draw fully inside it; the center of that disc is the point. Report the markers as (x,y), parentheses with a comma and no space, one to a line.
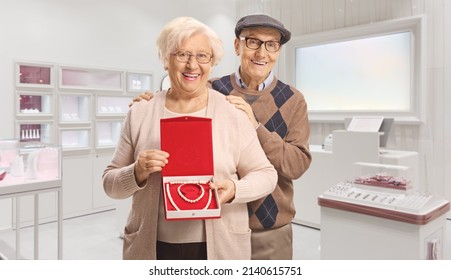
(263,21)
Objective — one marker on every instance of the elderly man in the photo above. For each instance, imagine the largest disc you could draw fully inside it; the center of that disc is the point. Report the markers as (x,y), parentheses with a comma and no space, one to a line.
(279,114)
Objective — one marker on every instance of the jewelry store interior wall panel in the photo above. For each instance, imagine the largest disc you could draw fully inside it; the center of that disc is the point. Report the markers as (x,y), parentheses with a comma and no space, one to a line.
(53,88)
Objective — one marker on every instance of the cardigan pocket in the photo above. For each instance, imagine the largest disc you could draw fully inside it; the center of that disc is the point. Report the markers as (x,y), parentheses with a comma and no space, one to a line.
(129,250)
(237,246)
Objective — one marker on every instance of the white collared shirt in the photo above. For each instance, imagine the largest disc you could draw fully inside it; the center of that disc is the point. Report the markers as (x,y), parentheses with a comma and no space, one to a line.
(261,86)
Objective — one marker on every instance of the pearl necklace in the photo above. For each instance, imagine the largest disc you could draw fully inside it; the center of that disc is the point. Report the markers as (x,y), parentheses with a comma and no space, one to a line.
(171,200)
(182,195)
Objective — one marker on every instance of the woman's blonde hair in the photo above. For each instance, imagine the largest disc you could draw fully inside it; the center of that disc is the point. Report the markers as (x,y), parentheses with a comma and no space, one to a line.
(178,30)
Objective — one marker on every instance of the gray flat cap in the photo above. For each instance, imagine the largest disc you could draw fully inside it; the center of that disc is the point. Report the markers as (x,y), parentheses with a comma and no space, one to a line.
(263,21)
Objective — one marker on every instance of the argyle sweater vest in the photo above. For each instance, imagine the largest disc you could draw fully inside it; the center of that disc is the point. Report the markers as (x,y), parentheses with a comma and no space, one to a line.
(276,209)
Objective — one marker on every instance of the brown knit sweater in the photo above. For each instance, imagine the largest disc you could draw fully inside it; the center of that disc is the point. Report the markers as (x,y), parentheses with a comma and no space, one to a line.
(284,134)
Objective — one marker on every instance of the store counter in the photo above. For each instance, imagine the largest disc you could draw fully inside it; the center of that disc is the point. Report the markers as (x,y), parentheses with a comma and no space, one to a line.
(364,222)
(329,167)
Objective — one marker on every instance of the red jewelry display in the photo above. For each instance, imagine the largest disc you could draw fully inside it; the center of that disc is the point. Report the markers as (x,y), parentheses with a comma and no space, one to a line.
(186,178)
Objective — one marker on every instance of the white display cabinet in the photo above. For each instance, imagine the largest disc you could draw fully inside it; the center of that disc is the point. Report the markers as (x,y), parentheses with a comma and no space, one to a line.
(75,138)
(34,104)
(35,75)
(112,105)
(74,108)
(71,77)
(108,133)
(139,82)
(35,131)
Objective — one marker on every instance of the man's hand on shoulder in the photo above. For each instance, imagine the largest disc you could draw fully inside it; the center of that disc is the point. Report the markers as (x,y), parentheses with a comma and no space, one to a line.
(147,95)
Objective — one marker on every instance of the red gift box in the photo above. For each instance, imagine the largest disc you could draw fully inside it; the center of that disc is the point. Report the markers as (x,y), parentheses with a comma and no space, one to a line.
(186,177)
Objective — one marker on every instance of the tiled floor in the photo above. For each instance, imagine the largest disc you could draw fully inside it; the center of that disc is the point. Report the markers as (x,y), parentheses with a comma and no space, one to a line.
(95,237)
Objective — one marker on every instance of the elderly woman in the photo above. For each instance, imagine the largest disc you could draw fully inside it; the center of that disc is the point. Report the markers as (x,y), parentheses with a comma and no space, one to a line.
(242,173)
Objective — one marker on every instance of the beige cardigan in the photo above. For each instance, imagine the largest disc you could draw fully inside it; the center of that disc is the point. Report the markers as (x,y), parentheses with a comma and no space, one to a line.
(237,156)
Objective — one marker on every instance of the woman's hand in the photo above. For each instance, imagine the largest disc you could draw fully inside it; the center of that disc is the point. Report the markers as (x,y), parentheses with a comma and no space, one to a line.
(149,161)
(147,95)
(226,190)
(241,104)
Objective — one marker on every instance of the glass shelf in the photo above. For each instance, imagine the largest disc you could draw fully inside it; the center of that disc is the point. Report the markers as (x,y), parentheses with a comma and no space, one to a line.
(34,104)
(139,82)
(74,108)
(75,139)
(109,105)
(108,133)
(34,75)
(85,78)
(35,132)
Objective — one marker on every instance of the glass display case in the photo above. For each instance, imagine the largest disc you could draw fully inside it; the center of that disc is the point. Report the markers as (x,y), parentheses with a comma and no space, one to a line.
(75,138)
(111,105)
(108,133)
(74,108)
(41,161)
(34,75)
(139,82)
(34,104)
(28,161)
(396,177)
(90,79)
(9,149)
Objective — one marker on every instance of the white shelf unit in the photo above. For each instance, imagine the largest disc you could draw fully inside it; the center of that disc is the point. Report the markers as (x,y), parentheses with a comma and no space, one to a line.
(80,109)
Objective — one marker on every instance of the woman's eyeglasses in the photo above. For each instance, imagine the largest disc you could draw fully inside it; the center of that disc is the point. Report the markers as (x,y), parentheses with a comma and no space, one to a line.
(201,57)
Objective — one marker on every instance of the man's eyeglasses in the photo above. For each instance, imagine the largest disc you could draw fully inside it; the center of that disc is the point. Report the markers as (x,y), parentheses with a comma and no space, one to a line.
(201,57)
(254,44)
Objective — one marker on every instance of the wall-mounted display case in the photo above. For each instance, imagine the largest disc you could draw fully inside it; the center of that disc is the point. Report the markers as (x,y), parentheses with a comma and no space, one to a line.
(35,131)
(108,133)
(112,105)
(90,79)
(74,108)
(34,104)
(38,75)
(139,82)
(75,138)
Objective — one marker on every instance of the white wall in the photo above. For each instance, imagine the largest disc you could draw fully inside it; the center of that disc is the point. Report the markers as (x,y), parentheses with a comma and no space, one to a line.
(101,33)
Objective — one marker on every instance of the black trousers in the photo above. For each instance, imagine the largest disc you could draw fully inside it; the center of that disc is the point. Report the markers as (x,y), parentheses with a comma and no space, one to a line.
(181,251)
